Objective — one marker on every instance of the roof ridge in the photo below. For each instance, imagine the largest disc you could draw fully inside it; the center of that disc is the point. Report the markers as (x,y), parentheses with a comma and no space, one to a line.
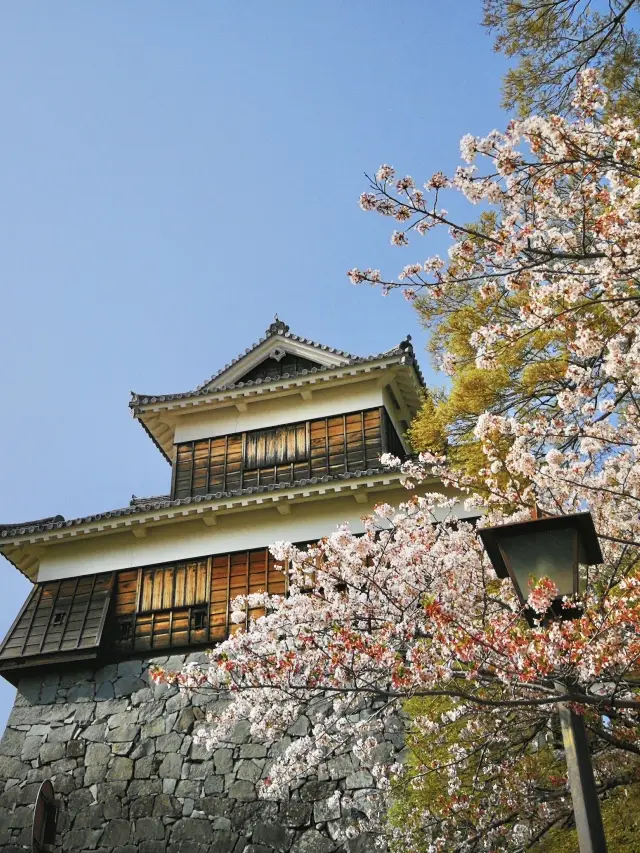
(277,328)
(165,502)
(143,399)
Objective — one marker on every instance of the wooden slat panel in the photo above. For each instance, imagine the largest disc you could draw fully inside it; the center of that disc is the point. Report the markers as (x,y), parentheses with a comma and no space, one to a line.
(60,616)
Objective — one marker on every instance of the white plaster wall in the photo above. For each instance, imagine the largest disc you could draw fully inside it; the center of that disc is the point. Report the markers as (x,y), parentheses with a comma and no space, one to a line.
(281,410)
(186,538)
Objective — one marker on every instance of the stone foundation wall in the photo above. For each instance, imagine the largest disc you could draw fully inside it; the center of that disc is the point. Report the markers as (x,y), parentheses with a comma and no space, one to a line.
(129,779)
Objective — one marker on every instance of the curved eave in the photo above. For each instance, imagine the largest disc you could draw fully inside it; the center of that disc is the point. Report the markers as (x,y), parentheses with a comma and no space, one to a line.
(24,550)
(156,417)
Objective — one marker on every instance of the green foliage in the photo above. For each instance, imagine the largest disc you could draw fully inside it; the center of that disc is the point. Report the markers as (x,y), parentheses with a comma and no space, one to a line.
(621,818)
(526,381)
(424,788)
(555,39)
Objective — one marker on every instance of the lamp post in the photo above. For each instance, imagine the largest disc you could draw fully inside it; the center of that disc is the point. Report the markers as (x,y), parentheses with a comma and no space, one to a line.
(553,547)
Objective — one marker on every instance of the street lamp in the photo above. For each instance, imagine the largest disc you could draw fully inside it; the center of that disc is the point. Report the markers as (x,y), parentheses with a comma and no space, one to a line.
(554,547)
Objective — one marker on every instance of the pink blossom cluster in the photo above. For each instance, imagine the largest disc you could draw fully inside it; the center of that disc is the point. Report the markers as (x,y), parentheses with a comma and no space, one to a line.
(412,609)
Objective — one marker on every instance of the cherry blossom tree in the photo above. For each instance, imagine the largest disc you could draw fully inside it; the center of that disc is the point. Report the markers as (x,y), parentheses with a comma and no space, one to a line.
(409,621)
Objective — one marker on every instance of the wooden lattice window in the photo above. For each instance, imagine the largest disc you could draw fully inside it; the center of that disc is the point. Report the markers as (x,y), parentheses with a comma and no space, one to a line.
(277,446)
(188,603)
(285,454)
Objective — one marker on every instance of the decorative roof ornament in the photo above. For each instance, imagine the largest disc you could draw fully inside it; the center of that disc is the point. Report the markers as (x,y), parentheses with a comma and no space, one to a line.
(277,327)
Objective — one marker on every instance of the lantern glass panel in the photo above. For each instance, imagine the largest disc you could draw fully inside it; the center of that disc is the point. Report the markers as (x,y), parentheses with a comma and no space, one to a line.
(545,553)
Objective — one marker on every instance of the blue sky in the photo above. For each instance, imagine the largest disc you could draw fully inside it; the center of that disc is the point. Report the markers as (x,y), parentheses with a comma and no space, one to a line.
(172,174)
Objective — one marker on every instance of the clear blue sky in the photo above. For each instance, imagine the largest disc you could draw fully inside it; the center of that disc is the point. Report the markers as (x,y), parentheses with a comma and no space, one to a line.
(172,174)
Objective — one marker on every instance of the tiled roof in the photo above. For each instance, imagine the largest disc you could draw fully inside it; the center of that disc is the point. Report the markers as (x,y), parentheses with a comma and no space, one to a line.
(39,523)
(276,328)
(405,347)
(141,505)
(136,501)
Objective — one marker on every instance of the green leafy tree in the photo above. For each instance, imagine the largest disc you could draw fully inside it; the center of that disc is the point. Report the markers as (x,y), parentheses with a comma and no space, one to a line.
(553,40)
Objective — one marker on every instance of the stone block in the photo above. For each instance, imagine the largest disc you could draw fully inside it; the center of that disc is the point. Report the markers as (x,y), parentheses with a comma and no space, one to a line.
(106,673)
(312,791)
(142,806)
(127,684)
(105,691)
(199,831)
(169,743)
(51,752)
(12,742)
(166,806)
(188,788)
(123,734)
(171,766)
(213,785)
(324,810)
(144,787)
(273,835)
(359,779)
(153,728)
(313,841)
(152,847)
(12,768)
(149,828)
(216,806)
(185,720)
(199,752)
(82,691)
(95,733)
(22,816)
(93,774)
(223,760)
(301,727)
(380,754)
(249,770)
(31,748)
(144,747)
(122,718)
(295,813)
(143,767)
(253,750)
(121,769)
(246,815)
(243,790)
(140,696)
(81,839)
(225,841)
(363,843)
(112,807)
(130,667)
(76,748)
(195,770)
(279,748)
(177,702)
(80,799)
(61,734)
(97,753)
(26,796)
(340,766)
(241,732)
(108,708)
(90,817)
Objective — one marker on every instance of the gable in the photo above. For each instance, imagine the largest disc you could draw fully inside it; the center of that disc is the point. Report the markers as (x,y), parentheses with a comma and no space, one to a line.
(279,345)
(278,364)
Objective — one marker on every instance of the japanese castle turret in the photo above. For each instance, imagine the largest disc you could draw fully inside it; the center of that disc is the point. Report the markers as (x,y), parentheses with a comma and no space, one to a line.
(282,444)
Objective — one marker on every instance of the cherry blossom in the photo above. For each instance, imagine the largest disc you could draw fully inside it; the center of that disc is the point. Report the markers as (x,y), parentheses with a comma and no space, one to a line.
(411,610)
